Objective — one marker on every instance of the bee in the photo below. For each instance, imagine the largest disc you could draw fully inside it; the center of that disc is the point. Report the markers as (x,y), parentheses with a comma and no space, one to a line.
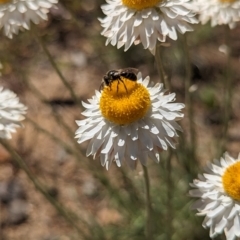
(117,75)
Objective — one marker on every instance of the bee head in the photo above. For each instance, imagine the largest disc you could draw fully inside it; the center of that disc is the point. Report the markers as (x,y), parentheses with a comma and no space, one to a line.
(106,79)
(113,74)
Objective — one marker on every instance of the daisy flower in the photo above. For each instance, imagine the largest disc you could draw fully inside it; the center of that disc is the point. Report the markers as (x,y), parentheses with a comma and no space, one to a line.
(218,11)
(11,113)
(17,15)
(218,191)
(145,21)
(129,121)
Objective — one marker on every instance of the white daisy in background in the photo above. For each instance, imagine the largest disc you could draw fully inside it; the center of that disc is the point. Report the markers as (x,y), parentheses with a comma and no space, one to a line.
(129,121)
(218,11)
(218,191)
(11,113)
(17,15)
(145,21)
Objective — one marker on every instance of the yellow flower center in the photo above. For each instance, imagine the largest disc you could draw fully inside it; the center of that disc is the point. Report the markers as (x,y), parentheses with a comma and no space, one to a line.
(140,4)
(124,101)
(227,1)
(231,181)
(4,1)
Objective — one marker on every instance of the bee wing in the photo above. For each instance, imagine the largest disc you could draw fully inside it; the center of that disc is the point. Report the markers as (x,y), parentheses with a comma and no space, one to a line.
(135,70)
(132,70)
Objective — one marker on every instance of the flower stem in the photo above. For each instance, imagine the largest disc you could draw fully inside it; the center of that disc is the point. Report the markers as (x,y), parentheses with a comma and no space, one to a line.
(189,100)
(169,193)
(149,233)
(55,67)
(160,68)
(227,93)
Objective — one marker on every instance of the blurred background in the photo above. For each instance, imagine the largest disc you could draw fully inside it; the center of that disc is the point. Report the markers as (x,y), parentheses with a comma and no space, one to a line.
(95,203)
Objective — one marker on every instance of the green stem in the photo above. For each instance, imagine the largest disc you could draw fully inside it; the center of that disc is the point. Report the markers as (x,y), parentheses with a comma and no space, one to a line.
(227,93)
(169,194)
(61,210)
(189,100)
(160,68)
(55,67)
(149,233)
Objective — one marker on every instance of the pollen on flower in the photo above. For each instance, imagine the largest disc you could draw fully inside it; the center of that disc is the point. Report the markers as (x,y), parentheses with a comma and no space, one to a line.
(124,102)
(140,4)
(231,181)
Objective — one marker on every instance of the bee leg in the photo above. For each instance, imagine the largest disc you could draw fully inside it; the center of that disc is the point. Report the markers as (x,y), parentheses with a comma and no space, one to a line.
(124,85)
(117,85)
